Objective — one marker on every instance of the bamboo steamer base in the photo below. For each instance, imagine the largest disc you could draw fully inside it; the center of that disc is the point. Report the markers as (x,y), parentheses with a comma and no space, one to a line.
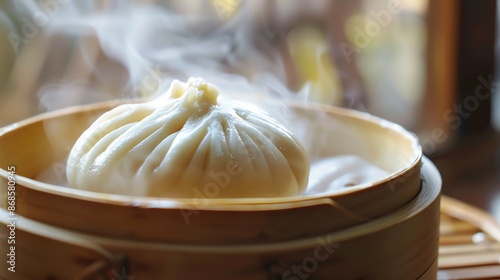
(469,243)
(400,245)
(384,230)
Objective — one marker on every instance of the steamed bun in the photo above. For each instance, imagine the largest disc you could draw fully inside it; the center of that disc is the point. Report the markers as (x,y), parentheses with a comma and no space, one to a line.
(188,143)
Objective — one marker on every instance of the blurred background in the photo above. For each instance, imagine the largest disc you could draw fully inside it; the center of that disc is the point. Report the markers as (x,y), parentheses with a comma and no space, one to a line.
(427,65)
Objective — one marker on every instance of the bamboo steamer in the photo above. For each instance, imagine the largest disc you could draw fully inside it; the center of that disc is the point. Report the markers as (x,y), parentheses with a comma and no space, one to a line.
(400,245)
(156,238)
(44,141)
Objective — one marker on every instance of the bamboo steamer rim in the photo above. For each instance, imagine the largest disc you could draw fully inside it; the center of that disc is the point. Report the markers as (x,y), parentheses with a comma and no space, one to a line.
(237,204)
(428,196)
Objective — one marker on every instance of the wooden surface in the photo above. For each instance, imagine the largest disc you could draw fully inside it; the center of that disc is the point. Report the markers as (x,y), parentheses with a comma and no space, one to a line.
(469,248)
(471,173)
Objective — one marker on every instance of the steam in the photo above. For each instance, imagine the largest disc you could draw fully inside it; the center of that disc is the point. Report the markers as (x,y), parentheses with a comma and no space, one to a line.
(127,49)
(139,48)
(156,43)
